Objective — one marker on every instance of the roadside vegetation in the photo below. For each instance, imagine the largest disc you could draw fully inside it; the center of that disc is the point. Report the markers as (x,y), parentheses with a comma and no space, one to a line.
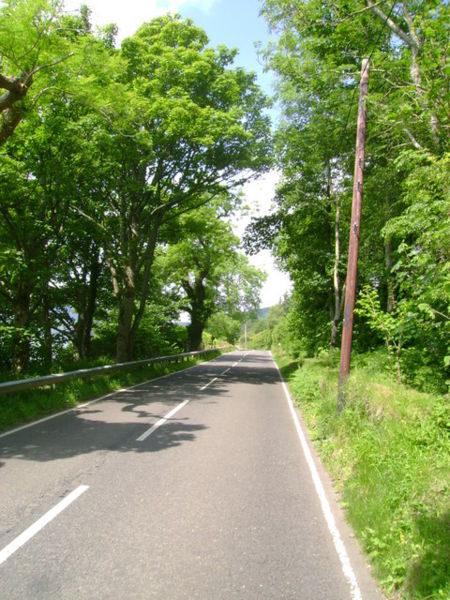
(22,407)
(387,453)
(121,170)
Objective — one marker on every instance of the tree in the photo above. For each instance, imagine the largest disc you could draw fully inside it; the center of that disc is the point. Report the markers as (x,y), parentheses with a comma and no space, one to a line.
(34,200)
(317,59)
(49,175)
(193,125)
(213,278)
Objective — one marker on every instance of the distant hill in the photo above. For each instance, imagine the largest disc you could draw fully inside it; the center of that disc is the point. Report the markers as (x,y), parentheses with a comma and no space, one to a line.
(263,312)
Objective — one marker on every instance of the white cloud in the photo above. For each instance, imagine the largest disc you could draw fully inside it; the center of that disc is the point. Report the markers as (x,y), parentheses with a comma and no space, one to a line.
(259,195)
(130,14)
(175,5)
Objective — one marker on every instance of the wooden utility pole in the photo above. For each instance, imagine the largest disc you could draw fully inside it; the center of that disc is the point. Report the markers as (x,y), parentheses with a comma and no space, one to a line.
(353,248)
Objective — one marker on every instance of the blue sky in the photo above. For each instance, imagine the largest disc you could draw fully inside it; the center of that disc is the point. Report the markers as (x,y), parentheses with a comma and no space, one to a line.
(237,24)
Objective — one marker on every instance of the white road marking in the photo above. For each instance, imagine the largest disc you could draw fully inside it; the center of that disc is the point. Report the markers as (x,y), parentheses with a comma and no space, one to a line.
(40,523)
(225,372)
(208,384)
(347,569)
(236,363)
(78,406)
(145,435)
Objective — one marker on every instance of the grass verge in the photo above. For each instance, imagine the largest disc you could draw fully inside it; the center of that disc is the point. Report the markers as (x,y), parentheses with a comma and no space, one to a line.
(388,454)
(24,407)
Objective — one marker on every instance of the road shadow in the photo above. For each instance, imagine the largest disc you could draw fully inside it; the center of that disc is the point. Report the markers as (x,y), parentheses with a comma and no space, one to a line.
(114,424)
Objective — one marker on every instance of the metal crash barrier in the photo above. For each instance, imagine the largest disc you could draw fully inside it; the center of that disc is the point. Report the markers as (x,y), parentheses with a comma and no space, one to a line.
(36,382)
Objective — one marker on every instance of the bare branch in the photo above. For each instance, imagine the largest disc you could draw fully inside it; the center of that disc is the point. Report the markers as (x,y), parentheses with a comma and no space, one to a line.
(409,41)
(89,218)
(358,12)
(410,23)
(414,142)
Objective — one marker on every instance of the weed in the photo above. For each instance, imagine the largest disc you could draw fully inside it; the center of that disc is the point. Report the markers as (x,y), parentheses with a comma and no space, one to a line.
(388,455)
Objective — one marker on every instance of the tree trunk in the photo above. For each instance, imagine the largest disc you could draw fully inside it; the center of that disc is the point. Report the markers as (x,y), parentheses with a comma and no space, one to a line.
(336,279)
(390,303)
(9,120)
(195,332)
(198,311)
(95,270)
(124,346)
(78,335)
(78,330)
(335,302)
(48,338)
(86,306)
(21,341)
(138,270)
(414,43)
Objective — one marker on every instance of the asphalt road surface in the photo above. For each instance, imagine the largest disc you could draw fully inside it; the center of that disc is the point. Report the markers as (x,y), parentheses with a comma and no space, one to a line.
(195,485)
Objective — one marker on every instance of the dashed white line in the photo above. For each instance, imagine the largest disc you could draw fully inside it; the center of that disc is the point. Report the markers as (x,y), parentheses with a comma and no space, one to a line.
(208,384)
(145,435)
(41,523)
(341,551)
(105,397)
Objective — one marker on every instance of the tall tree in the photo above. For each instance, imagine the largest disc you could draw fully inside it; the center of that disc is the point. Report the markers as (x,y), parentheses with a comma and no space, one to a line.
(34,201)
(317,59)
(195,126)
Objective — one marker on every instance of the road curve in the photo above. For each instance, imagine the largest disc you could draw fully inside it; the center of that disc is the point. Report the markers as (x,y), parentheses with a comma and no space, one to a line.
(194,485)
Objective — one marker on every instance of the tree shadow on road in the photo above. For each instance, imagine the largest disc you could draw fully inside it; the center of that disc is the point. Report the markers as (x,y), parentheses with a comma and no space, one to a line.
(115,423)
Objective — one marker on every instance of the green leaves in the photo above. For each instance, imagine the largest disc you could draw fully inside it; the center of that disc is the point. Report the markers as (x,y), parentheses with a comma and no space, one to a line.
(32,49)
(216,284)
(405,242)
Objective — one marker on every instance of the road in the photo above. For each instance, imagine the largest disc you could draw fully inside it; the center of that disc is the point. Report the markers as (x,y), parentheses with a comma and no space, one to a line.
(195,485)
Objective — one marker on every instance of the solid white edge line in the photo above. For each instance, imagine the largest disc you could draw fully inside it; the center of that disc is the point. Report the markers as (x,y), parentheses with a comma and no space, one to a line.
(341,551)
(41,523)
(145,435)
(78,406)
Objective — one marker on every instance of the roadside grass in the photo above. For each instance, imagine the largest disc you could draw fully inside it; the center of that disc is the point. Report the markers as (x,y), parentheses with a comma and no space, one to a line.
(388,454)
(24,407)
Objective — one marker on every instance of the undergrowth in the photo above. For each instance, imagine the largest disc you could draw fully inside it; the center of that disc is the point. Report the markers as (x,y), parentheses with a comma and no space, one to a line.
(388,455)
(23,407)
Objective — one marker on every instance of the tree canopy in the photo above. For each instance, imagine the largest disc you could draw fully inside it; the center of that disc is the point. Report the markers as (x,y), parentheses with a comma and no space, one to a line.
(117,148)
(405,240)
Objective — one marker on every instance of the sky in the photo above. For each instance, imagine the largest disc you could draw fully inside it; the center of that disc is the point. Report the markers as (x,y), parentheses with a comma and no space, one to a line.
(236,24)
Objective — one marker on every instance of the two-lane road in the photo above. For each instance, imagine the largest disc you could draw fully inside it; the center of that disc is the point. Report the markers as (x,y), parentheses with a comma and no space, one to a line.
(194,485)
